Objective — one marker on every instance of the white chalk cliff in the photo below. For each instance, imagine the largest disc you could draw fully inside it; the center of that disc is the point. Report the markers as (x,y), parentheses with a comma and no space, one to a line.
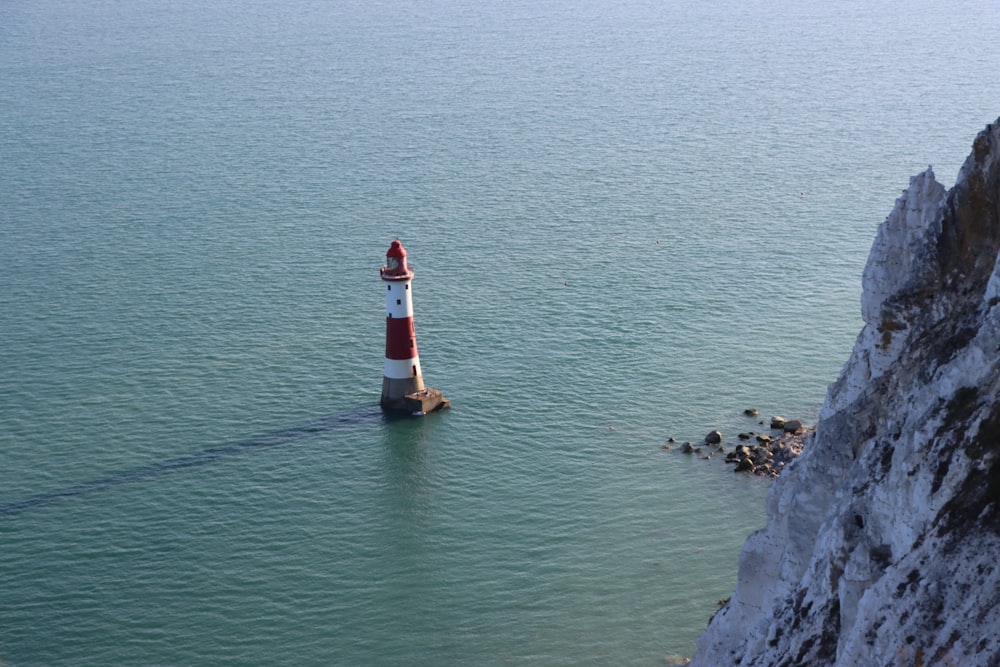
(882,544)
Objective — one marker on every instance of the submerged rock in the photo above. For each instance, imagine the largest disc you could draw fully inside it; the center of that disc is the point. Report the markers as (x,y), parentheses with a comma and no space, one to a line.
(882,537)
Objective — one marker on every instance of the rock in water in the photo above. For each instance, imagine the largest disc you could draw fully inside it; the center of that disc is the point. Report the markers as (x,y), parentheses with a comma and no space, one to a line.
(882,538)
(792,426)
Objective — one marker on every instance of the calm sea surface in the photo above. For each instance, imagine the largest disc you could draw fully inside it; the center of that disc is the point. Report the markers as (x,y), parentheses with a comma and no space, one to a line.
(629,221)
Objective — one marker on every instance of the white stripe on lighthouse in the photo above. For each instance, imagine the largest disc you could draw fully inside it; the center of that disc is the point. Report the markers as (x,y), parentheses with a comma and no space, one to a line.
(398,299)
(400,369)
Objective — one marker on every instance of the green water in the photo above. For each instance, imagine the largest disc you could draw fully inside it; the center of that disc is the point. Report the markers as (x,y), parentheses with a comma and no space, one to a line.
(627,224)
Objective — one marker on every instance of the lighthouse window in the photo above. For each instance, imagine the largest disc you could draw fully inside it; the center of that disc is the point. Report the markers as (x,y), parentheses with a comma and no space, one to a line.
(411,343)
(414,371)
(407,286)
(398,301)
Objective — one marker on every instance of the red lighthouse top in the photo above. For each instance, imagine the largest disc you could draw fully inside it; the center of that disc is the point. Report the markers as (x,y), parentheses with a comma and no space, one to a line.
(395,263)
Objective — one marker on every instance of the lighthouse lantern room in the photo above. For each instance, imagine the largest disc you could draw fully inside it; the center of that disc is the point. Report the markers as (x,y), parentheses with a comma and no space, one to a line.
(403,387)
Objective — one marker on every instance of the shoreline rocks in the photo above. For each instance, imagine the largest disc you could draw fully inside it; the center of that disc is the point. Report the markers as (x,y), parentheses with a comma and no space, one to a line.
(768,457)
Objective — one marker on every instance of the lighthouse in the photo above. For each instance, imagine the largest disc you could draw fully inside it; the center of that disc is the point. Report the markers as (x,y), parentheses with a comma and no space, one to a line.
(403,387)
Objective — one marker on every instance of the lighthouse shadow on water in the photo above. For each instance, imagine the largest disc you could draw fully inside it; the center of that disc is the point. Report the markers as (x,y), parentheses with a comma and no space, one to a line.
(353,419)
(368,415)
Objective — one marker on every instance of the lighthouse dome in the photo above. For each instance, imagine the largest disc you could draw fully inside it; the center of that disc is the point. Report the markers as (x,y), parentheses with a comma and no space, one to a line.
(396,250)
(395,263)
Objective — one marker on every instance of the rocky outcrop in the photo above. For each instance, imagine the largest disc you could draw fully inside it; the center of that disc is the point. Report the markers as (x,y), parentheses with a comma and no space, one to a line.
(770,455)
(882,545)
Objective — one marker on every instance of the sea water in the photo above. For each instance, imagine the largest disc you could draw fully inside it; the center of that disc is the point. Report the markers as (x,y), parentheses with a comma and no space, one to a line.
(629,222)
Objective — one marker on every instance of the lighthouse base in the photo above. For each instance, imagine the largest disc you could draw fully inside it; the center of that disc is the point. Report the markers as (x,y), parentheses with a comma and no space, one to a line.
(418,403)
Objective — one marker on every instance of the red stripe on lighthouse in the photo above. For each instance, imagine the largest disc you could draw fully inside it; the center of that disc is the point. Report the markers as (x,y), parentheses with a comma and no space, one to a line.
(400,338)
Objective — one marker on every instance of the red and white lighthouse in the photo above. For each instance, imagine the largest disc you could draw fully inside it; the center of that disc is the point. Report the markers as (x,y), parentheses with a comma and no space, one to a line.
(403,387)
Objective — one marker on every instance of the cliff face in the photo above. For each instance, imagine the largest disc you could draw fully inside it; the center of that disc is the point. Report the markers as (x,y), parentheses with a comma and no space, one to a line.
(882,545)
